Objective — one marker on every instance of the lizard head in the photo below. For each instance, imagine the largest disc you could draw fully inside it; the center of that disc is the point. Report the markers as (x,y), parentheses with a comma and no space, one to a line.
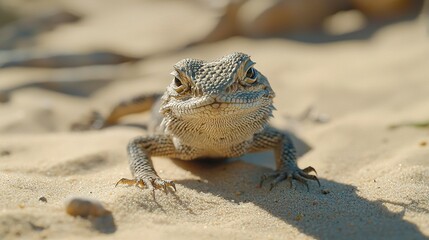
(229,86)
(216,105)
(226,101)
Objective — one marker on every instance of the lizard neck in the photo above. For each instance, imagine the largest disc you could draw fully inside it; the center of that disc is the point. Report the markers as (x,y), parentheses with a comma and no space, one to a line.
(216,137)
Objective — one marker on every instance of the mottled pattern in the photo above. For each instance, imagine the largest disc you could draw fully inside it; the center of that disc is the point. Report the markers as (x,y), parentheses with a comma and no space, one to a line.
(213,109)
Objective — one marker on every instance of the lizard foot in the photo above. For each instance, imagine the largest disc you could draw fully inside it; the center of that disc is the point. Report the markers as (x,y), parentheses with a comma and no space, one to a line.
(301,175)
(150,182)
(94,121)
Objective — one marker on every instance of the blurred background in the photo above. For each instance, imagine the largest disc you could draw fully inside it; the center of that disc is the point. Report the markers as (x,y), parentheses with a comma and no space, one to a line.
(61,58)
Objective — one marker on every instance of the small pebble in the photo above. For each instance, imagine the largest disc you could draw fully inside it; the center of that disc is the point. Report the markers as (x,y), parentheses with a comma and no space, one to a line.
(4,153)
(43,199)
(423,143)
(85,208)
(299,217)
(4,98)
(325,191)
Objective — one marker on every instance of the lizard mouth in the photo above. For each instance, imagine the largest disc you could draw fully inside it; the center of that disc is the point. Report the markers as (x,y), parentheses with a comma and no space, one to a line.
(220,105)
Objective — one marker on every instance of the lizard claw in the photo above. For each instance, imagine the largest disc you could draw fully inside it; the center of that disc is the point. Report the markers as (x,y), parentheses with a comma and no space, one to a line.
(159,183)
(150,182)
(300,175)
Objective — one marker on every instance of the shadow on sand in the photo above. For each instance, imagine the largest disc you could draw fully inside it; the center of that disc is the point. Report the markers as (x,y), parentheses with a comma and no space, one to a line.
(334,211)
(335,206)
(313,212)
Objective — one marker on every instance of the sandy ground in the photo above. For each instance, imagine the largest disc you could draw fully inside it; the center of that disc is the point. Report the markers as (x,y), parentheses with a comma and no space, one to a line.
(377,178)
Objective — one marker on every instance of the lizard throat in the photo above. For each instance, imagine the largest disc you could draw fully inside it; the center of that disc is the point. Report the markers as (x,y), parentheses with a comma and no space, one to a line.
(217,132)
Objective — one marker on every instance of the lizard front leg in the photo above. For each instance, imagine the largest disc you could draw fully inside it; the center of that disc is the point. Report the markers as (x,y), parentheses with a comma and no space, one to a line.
(140,150)
(285,154)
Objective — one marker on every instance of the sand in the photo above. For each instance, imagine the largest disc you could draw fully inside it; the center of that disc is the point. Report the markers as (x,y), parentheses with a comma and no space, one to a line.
(375,180)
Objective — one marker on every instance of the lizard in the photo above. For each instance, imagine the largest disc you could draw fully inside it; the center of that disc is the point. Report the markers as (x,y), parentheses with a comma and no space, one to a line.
(216,109)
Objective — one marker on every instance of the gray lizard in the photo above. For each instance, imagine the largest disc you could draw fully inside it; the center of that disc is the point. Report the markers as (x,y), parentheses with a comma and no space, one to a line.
(215,109)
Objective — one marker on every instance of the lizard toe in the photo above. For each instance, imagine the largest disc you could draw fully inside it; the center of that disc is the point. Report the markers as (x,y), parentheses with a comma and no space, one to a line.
(300,175)
(159,183)
(148,182)
(267,176)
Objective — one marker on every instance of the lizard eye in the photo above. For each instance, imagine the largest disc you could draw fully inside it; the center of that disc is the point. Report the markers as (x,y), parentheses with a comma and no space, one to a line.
(178,85)
(177,82)
(250,75)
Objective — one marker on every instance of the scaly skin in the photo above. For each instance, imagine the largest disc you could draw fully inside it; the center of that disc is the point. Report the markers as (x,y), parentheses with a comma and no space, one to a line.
(213,109)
